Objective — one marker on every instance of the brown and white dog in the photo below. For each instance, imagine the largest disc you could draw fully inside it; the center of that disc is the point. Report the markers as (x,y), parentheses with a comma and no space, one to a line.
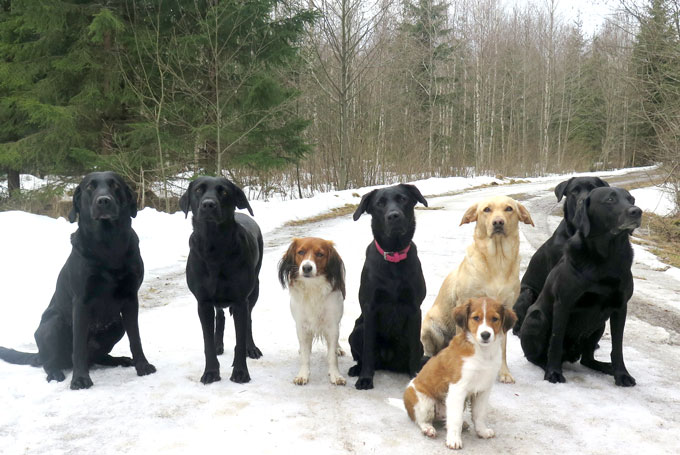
(315,275)
(466,368)
(490,268)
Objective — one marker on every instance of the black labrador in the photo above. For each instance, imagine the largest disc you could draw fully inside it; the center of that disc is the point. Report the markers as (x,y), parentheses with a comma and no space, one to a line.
(574,191)
(95,301)
(387,333)
(590,284)
(224,263)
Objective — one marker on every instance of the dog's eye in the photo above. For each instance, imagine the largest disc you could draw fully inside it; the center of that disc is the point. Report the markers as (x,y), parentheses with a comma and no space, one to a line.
(219,189)
(114,185)
(319,254)
(301,252)
(475,318)
(487,209)
(92,185)
(381,202)
(508,209)
(199,189)
(494,319)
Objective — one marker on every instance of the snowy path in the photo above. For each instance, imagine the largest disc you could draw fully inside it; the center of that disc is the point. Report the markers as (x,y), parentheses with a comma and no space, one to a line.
(171,412)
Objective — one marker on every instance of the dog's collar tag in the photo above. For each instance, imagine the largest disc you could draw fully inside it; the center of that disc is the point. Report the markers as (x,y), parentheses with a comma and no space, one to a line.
(396,256)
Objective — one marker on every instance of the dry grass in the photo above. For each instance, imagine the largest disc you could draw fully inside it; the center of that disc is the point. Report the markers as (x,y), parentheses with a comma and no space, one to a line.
(662,236)
(337,212)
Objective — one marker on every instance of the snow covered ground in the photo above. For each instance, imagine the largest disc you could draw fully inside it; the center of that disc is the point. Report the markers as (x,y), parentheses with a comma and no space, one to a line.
(657,199)
(171,412)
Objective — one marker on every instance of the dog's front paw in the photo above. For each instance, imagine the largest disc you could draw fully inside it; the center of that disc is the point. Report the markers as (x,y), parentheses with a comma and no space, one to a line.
(240,375)
(144,369)
(364,383)
(339,352)
(56,375)
(429,431)
(454,442)
(337,380)
(253,352)
(81,382)
(486,433)
(354,371)
(624,380)
(210,376)
(554,376)
(505,377)
(301,380)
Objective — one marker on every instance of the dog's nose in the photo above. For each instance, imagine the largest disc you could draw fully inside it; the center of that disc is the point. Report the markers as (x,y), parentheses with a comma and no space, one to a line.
(103,201)
(394,216)
(635,212)
(307,268)
(208,204)
(499,222)
(485,335)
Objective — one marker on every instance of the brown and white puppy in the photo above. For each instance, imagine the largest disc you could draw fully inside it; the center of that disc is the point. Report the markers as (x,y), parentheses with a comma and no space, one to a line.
(465,369)
(315,275)
(490,268)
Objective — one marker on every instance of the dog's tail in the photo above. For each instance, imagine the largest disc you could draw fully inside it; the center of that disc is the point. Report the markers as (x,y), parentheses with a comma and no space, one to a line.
(20,358)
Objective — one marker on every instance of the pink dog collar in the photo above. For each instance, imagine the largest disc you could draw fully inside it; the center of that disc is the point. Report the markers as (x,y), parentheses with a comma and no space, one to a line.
(396,256)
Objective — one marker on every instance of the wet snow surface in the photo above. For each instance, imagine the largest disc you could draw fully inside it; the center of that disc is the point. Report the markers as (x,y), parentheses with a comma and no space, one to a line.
(171,412)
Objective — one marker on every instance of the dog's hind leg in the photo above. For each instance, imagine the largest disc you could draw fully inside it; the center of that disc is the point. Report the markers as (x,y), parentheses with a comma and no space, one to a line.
(588,354)
(55,345)
(534,338)
(100,344)
(219,331)
(526,298)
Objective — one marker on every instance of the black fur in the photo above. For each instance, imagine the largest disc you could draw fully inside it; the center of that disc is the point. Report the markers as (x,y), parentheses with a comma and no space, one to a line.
(224,262)
(574,190)
(591,283)
(95,302)
(387,333)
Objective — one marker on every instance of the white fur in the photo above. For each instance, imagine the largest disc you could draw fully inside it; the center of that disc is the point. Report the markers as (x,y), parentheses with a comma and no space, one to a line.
(317,311)
(477,377)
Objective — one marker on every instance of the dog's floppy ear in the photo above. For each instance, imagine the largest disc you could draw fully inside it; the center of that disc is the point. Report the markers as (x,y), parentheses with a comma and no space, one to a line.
(562,188)
(600,182)
(335,269)
(461,314)
(240,198)
(131,199)
(470,215)
(287,265)
(415,193)
(581,219)
(75,209)
(509,319)
(184,203)
(524,215)
(363,205)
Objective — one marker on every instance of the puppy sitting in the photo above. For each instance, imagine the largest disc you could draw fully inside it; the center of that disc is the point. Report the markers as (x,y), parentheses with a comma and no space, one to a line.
(466,368)
(315,275)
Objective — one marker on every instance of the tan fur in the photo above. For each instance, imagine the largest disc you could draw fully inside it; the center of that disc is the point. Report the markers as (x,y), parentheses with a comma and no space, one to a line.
(490,267)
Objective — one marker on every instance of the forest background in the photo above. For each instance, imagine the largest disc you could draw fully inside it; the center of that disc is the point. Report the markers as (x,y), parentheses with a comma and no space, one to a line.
(293,97)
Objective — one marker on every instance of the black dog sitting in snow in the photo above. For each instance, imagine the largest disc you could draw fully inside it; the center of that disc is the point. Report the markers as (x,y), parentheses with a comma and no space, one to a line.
(222,270)
(574,191)
(591,283)
(95,301)
(387,334)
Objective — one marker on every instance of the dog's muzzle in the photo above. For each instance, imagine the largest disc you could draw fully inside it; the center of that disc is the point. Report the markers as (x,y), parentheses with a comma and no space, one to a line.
(209,209)
(631,219)
(104,207)
(308,269)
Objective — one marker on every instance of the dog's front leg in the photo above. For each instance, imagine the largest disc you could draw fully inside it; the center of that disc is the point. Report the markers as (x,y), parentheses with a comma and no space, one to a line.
(560,318)
(504,374)
(305,338)
(415,346)
(480,405)
(130,315)
(365,380)
(332,335)
(455,406)
(617,322)
(81,322)
(240,372)
(206,313)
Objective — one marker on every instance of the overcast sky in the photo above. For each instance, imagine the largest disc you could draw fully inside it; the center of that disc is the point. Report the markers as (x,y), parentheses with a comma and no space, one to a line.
(591,12)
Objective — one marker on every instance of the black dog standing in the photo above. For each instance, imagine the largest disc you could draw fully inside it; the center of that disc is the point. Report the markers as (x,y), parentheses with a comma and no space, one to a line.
(591,283)
(222,270)
(387,334)
(574,190)
(95,302)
